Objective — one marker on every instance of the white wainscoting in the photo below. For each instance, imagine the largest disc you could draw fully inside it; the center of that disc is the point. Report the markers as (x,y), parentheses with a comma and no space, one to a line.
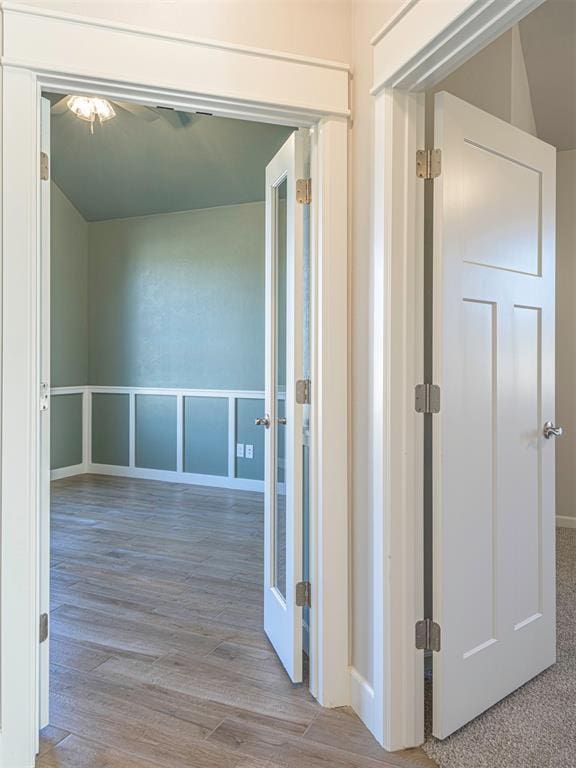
(174,476)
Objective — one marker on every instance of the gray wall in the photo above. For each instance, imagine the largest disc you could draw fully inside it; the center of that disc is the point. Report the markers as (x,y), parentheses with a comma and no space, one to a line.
(172,300)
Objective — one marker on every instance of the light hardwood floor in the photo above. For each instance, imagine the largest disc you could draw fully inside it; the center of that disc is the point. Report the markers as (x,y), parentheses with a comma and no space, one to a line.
(158,655)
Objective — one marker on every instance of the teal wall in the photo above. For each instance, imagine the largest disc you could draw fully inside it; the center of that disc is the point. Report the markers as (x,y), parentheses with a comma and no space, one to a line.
(173,300)
(155,432)
(206,435)
(247,410)
(110,429)
(66,431)
(69,287)
(68,326)
(177,300)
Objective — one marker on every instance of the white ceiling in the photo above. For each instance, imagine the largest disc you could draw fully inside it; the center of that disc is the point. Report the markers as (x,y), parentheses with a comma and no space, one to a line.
(549,42)
(133,167)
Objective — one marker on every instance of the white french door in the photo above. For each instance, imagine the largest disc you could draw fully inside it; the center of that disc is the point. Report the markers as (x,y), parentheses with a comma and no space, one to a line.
(494,506)
(44,458)
(283,418)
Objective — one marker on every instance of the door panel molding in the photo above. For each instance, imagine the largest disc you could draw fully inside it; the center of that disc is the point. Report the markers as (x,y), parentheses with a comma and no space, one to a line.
(493,477)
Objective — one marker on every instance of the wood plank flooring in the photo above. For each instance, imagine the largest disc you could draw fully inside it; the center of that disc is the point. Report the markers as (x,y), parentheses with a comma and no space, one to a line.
(158,655)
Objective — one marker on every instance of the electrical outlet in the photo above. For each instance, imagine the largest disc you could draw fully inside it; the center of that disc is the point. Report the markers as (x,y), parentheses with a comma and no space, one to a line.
(239,450)
(249,451)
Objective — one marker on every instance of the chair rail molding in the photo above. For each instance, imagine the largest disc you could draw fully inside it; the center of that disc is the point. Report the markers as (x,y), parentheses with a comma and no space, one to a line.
(60,52)
(422,43)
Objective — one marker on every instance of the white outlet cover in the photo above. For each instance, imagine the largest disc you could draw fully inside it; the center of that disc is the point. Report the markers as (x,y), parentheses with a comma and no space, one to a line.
(249,451)
(239,450)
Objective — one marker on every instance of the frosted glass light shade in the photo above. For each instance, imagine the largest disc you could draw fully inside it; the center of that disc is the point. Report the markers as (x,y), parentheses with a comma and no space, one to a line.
(91,108)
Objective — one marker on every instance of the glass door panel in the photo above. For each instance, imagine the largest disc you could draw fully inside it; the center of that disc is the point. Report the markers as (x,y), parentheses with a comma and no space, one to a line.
(283,416)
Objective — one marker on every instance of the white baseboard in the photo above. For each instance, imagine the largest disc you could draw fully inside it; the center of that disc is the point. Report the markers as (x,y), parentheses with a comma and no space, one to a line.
(169,476)
(563,521)
(362,698)
(62,472)
(163,475)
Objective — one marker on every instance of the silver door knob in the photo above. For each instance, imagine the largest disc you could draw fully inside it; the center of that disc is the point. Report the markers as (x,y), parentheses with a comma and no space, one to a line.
(551,431)
(263,421)
(281,419)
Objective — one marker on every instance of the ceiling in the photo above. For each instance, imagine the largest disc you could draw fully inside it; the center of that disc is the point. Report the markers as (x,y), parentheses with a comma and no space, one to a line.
(548,37)
(132,166)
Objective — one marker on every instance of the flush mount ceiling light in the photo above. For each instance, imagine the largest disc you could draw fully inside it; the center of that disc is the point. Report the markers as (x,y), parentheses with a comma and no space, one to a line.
(91,108)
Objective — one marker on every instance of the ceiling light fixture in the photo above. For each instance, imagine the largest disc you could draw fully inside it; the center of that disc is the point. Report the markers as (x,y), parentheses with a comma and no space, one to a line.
(90,109)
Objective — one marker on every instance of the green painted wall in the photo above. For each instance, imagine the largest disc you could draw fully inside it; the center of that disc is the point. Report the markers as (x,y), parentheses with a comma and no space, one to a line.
(247,410)
(156,432)
(68,326)
(206,435)
(66,431)
(110,429)
(69,293)
(177,300)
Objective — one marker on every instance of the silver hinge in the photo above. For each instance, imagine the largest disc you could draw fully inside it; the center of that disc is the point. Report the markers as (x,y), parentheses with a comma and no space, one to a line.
(44,396)
(44,166)
(43,627)
(428,163)
(303,594)
(303,394)
(427,635)
(427,398)
(304,191)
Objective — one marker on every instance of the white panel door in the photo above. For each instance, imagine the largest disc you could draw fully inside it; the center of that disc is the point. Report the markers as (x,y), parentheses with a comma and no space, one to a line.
(494,506)
(44,463)
(283,418)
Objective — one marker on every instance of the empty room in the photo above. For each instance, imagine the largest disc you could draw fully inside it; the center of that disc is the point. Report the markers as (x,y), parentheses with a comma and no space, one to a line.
(171,340)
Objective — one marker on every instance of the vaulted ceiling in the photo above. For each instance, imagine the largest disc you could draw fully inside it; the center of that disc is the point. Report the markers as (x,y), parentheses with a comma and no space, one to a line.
(549,43)
(133,166)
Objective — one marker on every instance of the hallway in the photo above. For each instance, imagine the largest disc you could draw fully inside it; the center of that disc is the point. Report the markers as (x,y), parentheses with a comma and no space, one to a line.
(158,655)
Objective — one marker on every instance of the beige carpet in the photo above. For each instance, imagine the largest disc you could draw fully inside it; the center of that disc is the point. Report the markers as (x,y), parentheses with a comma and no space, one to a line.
(535,727)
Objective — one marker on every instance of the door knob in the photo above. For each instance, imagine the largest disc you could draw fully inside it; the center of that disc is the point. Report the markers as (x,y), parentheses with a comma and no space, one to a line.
(263,421)
(551,431)
(281,419)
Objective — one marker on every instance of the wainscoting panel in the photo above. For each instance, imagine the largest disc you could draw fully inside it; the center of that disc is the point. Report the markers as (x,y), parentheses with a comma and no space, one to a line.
(177,435)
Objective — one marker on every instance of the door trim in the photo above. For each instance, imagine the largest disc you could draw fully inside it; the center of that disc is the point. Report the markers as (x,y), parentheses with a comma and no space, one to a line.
(64,53)
(422,44)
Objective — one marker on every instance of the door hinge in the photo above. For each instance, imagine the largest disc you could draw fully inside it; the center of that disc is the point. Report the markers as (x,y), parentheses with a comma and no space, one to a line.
(303,594)
(44,166)
(428,163)
(44,396)
(43,627)
(427,635)
(304,191)
(303,393)
(427,398)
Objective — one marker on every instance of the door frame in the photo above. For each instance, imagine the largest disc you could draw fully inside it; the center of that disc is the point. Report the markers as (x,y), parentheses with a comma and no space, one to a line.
(423,43)
(61,52)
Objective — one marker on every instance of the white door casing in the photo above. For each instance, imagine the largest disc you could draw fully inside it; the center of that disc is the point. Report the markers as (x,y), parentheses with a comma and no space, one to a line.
(283,441)
(44,49)
(494,306)
(44,459)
